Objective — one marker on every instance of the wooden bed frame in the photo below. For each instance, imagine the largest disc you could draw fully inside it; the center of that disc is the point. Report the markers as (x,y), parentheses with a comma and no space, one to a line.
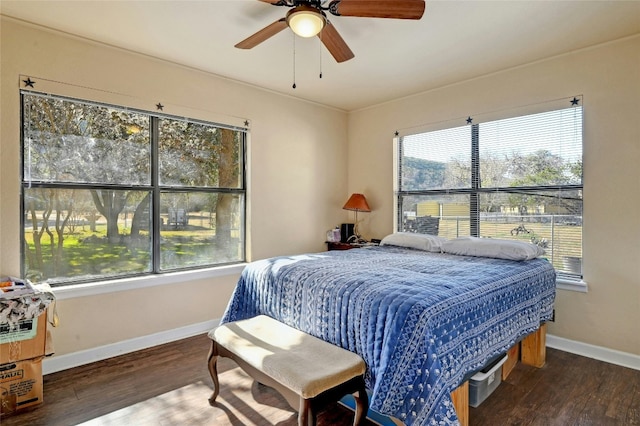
(532,350)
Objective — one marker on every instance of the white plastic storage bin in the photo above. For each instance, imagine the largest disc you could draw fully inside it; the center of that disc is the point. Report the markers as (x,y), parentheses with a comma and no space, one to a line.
(482,384)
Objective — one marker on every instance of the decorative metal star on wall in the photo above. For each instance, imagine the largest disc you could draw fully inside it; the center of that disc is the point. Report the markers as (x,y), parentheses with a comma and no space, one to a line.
(469,120)
(575,101)
(159,106)
(28,82)
(246,123)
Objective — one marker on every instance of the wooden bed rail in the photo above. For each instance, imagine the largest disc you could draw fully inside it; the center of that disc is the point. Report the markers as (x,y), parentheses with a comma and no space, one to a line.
(533,351)
(460,398)
(533,348)
(530,351)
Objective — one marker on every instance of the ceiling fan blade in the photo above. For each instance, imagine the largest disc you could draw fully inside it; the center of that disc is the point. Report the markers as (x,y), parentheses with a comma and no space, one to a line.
(275,2)
(397,9)
(263,34)
(335,44)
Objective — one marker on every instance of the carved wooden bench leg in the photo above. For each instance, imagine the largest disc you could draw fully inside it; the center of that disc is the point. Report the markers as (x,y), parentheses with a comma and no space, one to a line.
(212,362)
(306,416)
(362,404)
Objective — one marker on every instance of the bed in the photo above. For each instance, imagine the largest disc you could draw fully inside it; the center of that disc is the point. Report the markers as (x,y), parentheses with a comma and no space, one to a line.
(422,321)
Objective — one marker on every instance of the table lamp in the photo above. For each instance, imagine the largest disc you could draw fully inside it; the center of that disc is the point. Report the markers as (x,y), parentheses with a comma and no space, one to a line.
(357,203)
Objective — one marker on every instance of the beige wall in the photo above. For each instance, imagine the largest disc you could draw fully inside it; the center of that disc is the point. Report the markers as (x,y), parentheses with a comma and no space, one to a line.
(609,78)
(293,199)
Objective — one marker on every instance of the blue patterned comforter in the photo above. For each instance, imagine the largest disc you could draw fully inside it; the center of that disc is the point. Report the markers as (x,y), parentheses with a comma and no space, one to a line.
(421,321)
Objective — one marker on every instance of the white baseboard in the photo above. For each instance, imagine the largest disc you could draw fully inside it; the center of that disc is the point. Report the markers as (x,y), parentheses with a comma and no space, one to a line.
(611,356)
(75,359)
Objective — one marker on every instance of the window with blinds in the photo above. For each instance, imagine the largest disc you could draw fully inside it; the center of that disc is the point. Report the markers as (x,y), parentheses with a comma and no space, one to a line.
(514,178)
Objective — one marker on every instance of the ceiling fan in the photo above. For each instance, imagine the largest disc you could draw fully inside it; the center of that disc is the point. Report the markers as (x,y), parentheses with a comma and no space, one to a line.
(308,19)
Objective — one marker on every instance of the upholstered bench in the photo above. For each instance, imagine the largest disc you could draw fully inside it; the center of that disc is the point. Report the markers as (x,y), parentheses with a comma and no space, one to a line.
(307,371)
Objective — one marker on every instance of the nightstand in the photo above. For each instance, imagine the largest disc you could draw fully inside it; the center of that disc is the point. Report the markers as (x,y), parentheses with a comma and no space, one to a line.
(346,246)
(340,246)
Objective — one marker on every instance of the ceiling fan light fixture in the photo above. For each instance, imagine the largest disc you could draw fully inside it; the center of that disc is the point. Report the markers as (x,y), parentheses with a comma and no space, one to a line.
(306,21)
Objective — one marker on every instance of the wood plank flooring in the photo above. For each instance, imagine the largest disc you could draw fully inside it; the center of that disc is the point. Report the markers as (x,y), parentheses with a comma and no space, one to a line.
(170,384)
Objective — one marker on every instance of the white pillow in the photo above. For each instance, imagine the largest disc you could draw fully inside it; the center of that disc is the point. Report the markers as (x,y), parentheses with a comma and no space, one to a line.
(423,242)
(491,247)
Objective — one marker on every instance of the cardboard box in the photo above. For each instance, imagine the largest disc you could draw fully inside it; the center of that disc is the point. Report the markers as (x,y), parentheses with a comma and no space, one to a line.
(20,385)
(26,341)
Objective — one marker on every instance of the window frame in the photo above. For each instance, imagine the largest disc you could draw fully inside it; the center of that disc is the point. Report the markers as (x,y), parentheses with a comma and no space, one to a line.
(474,190)
(155,275)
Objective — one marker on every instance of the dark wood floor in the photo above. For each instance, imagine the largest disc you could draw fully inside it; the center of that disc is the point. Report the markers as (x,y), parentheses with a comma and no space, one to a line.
(170,384)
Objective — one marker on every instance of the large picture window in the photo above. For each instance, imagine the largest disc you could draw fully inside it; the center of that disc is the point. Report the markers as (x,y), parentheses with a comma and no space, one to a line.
(515,178)
(108,192)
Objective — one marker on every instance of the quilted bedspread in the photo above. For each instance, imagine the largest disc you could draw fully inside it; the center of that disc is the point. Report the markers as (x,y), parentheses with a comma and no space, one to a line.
(421,321)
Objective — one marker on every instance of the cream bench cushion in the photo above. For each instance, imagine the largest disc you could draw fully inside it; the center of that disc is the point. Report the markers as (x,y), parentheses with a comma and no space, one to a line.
(301,362)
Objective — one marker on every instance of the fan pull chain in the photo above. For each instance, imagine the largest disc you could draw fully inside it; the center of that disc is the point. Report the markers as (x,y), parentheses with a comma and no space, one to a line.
(320,50)
(294,60)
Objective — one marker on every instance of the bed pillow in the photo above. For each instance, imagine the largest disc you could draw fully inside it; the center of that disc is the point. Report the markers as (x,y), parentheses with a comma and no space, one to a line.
(423,242)
(492,247)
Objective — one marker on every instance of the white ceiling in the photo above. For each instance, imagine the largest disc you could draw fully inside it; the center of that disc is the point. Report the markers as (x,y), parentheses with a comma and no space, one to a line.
(454,41)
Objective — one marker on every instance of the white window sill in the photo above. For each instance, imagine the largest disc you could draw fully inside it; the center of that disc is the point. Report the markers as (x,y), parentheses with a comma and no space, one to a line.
(103,287)
(571,285)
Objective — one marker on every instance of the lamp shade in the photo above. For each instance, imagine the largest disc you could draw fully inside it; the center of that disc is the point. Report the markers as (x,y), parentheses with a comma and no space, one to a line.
(306,21)
(358,203)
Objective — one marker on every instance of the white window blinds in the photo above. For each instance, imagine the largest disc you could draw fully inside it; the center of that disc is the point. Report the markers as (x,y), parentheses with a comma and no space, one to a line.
(515,178)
